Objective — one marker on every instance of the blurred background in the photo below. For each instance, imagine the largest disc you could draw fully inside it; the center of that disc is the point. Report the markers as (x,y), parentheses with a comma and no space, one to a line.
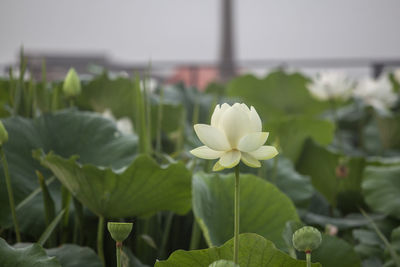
(200,41)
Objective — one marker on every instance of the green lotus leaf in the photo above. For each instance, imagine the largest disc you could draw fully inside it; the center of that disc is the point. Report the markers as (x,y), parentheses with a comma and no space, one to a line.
(141,189)
(322,164)
(297,187)
(292,132)
(270,94)
(118,95)
(32,255)
(381,188)
(335,252)
(75,256)
(69,132)
(263,208)
(254,251)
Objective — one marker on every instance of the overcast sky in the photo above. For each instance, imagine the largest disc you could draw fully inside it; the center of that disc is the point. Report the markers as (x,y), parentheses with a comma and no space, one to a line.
(188,30)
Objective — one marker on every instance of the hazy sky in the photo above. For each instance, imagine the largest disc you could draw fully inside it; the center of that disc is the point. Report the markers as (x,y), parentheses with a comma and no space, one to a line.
(188,30)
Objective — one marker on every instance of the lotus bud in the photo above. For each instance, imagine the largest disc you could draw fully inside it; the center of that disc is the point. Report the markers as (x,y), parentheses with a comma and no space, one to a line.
(223,263)
(119,231)
(3,134)
(72,84)
(307,239)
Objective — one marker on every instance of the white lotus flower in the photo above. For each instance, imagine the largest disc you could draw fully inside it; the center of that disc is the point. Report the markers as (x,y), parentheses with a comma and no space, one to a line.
(376,93)
(234,134)
(331,85)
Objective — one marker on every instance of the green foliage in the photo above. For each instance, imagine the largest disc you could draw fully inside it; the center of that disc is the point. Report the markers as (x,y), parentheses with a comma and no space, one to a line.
(119,96)
(291,133)
(337,177)
(277,95)
(381,188)
(95,139)
(75,256)
(33,255)
(263,208)
(254,251)
(389,130)
(280,171)
(335,252)
(141,189)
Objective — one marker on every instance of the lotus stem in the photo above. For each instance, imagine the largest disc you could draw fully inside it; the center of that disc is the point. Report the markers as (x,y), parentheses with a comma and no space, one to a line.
(100,240)
(196,235)
(118,249)
(308,258)
(237,211)
(10,194)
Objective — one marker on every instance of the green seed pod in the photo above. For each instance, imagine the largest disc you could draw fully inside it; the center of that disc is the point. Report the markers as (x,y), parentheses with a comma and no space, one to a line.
(3,134)
(72,84)
(306,239)
(223,263)
(119,231)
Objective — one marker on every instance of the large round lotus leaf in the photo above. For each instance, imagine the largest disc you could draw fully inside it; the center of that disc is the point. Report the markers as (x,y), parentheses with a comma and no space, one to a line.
(263,208)
(291,132)
(254,251)
(322,165)
(75,256)
(96,140)
(33,255)
(270,95)
(141,189)
(335,252)
(381,188)
(297,187)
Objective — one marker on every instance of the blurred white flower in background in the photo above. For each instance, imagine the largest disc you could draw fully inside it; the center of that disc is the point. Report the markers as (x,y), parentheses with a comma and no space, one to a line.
(328,85)
(124,124)
(396,74)
(235,134)
(377,93)
(150,83)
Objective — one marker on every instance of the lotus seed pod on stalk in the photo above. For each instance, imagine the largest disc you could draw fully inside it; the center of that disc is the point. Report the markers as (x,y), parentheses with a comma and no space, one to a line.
(3,134)
(119,231)
(72,84)
(307,239)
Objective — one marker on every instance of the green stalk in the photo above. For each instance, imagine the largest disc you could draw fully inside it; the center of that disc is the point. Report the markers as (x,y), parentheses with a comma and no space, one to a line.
(159,121)
(167,231)
(20,84)
(49,207)
(118,250)
(66,202)
(147,108)
(100,240)
(336,121)
(10,194)
(196,235)
(308,258)
(140,119)
(389,247)
(196,111)
(34,101)
(237,215)
(79,220)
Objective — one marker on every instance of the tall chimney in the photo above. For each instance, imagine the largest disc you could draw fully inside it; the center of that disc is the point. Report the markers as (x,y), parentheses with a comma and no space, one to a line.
(226,64)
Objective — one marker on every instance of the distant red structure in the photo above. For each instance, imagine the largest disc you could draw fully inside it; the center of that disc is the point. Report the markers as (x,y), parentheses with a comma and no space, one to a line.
(195,76)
